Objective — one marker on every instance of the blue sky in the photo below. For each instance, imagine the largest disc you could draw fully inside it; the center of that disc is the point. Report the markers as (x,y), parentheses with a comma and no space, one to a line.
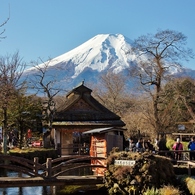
(49,28)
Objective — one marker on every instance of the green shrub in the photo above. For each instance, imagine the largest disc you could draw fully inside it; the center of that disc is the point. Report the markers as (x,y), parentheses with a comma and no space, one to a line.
(30,153)
(151,191)
(170,143)
(148,171)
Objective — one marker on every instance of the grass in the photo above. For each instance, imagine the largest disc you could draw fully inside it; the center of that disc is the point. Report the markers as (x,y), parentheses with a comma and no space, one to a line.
(26,150)
(84,189)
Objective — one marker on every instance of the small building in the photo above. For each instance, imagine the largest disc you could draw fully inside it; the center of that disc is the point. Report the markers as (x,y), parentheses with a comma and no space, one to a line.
(103,140)
(80,112)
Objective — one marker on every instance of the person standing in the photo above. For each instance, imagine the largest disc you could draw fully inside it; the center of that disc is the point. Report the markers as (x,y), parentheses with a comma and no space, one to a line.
(139,145)
(131,145)
(29,136)
(156,143)
(163,150)
(148,146)
(191,147)
(178,146)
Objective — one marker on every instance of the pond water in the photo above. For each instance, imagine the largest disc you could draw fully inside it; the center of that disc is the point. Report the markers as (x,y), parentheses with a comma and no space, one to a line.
(38,190)
(26,191)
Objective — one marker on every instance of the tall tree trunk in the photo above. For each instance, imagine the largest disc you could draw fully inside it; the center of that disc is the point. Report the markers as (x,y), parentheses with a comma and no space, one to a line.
(5,133)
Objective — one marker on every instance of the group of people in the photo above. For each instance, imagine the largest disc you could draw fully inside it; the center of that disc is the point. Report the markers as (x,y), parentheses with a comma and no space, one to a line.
(12,138)
(179,146)
(141,145)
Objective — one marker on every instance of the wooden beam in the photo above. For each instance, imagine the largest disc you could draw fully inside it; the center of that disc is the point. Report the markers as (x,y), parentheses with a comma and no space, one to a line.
(190,134)
(60,180)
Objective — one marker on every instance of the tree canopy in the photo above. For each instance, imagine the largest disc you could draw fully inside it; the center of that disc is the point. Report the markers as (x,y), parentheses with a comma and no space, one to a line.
(157,55)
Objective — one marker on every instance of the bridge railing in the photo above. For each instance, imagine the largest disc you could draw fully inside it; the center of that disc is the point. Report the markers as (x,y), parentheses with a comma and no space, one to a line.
(21,165)
(51,169)
(185,157)
(185,154)
(190,165)
(54,166)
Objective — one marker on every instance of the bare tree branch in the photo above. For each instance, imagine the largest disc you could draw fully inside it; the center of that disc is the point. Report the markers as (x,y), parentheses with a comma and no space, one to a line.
(156,55)
(2,25)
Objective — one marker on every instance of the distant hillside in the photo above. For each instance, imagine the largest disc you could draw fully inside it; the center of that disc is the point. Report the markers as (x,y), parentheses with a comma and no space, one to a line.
(100,54)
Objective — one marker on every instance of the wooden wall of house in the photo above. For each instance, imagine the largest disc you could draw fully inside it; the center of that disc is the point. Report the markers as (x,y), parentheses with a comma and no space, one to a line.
(65,140)
(66,143)
(102,145)
(114,140)
(98,149)
(98,146)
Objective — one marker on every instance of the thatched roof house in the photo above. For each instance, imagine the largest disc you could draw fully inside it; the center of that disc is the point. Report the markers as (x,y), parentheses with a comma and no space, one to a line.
(81,112)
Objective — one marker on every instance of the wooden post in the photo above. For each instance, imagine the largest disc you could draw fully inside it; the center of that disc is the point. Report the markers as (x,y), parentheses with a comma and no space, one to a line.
(189,169)
(79,149)
(48,167)
(35,170)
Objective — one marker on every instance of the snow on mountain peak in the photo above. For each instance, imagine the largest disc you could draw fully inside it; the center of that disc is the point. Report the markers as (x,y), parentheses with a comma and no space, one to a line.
(101,53)
(104,51)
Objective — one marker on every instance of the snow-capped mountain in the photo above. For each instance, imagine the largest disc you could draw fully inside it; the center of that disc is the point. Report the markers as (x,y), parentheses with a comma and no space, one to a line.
(102,53)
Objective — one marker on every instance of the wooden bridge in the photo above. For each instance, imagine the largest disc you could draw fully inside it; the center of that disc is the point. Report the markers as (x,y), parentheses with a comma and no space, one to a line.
(32,173)
(54,172)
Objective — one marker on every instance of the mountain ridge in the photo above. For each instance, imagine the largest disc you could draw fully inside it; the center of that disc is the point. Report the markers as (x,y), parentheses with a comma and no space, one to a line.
(101,53)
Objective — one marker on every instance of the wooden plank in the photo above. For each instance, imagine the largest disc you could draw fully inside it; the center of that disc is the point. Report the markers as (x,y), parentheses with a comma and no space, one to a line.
(191,163)
(189,170)
(187,134)
(60,180)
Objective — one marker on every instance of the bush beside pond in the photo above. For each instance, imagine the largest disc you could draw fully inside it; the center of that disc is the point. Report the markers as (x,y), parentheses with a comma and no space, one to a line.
(84,189)
(150,171)
(30,153)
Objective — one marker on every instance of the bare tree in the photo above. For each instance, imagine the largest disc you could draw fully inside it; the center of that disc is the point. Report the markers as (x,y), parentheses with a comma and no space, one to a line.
(45,82)
(178,102)
(157,55)
(11,69)
(111,92)
(188,97)
(2,31)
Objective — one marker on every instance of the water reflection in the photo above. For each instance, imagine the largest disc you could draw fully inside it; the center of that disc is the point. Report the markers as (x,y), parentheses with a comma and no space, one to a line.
(38,190)
(26,191)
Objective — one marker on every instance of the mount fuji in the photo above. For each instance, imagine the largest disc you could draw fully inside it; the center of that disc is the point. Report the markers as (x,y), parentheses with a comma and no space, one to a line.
(98,55)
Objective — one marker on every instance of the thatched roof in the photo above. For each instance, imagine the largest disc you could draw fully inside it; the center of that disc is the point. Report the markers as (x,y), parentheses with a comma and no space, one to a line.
(82,108)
